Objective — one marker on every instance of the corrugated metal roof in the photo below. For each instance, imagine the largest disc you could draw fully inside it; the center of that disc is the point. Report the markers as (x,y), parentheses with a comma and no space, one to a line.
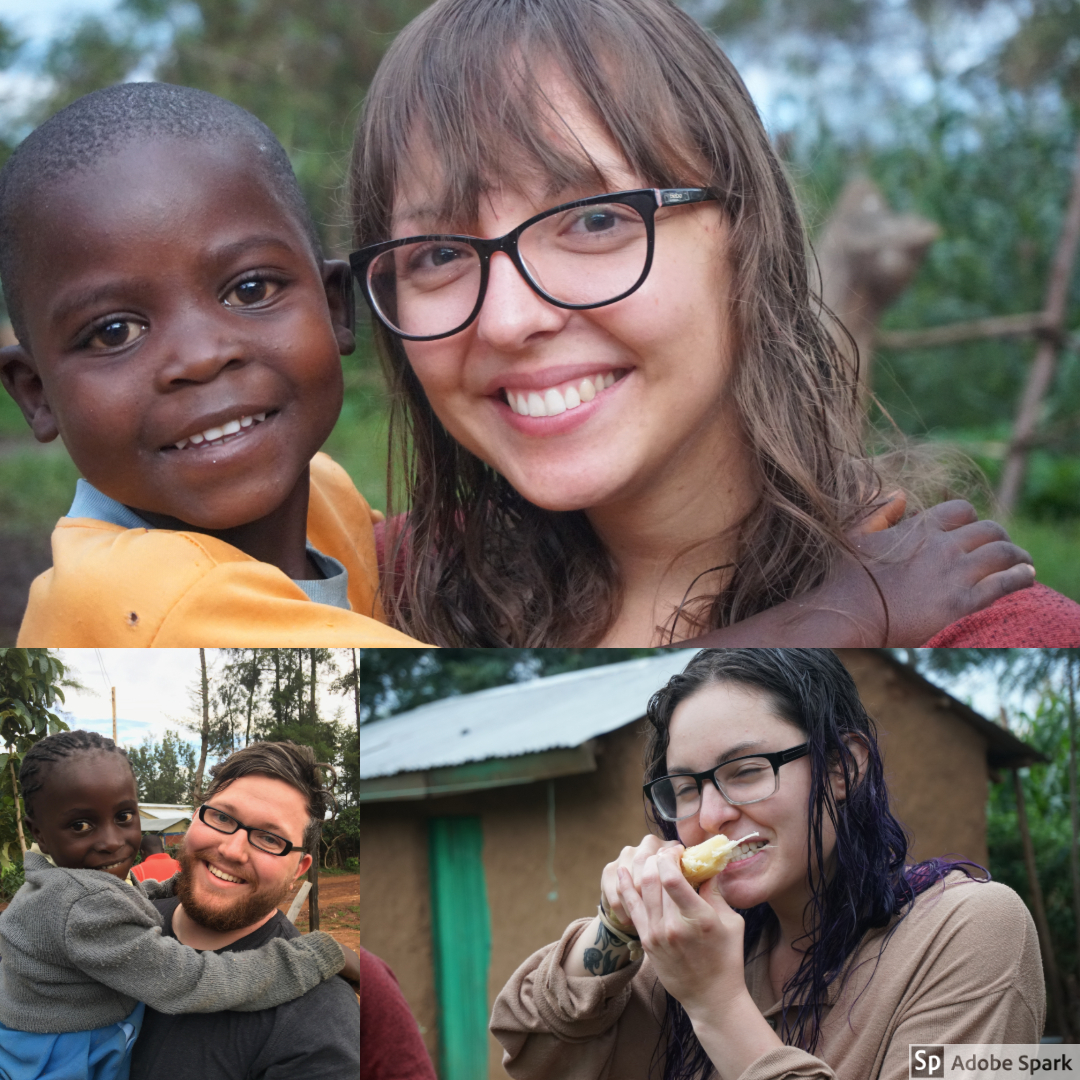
(161,824)
(522,718)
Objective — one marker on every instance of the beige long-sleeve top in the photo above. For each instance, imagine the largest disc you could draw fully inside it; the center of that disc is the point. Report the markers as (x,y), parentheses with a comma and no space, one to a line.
(962,967)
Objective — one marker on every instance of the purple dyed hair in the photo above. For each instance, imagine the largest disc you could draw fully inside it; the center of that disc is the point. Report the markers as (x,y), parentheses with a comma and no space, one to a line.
(869,883)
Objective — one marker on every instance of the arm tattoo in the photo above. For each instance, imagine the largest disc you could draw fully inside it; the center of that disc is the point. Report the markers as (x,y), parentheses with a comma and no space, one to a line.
(605,940)
(600,963)
(608,956)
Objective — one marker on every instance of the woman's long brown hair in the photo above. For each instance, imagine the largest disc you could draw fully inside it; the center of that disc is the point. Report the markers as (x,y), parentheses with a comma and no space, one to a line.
(463,85)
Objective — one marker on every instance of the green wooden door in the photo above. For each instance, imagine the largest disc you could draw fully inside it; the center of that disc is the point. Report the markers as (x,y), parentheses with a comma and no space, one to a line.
(461,939)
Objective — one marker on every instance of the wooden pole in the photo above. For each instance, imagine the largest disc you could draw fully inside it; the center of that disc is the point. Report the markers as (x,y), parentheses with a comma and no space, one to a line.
(204,734)
(18,813)
(313,896)
(114,714)
(1041,373)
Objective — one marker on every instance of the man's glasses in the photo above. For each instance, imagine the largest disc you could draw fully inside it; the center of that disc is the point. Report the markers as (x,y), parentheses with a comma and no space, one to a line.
(581,254)
(221,822)
(741,781)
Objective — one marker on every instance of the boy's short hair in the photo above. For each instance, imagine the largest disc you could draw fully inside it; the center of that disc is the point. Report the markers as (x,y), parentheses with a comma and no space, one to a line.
(102,123)
(286,761)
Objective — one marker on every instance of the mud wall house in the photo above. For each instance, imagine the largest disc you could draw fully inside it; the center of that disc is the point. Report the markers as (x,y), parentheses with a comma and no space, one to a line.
(489,817)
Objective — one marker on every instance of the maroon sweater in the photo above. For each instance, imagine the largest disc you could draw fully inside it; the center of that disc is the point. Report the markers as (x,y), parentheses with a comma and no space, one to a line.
(1031,618)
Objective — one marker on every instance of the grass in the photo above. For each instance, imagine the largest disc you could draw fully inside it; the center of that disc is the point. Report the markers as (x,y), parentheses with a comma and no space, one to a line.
(1054,545)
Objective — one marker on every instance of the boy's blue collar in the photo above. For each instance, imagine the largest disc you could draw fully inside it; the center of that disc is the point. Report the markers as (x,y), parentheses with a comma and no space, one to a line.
(91,503)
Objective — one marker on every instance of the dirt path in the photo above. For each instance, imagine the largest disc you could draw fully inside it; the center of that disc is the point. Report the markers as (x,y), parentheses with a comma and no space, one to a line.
(339,899)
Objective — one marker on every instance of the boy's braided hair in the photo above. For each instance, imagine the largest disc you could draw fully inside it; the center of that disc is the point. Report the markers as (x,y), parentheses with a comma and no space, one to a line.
(100,124)
(44,754)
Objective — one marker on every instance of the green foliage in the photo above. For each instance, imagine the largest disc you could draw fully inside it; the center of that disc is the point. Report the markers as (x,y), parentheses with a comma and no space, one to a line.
(11,879)
(1042,50)
(301,66)
(29,690)
(1053,546)
(997,186)
(1043,675)
(164,771)
(86,58)
(1046,799)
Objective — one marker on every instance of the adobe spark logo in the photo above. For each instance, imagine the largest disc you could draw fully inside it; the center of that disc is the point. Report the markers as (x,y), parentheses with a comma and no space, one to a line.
(926,1062)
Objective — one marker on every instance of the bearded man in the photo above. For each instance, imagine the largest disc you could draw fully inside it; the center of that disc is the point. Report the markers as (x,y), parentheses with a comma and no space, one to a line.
(246,846)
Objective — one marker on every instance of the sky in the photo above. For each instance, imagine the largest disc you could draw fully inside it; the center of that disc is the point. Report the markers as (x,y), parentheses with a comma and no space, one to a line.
(151,690)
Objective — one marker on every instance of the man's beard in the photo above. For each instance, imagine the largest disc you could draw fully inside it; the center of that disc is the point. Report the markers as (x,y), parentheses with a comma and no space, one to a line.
(225,916)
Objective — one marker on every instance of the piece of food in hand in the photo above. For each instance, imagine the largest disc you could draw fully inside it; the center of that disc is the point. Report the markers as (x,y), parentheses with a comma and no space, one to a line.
(706,860)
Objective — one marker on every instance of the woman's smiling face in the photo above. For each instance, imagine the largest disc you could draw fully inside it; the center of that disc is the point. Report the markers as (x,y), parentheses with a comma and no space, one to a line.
(659,361)
(728,720)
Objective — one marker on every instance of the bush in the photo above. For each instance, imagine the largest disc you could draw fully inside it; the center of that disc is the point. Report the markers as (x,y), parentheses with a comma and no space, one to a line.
(11,880)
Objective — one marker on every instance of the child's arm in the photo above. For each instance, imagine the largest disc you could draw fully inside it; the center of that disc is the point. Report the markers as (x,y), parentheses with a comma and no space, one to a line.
(116,940)
(932,569)
(160,890)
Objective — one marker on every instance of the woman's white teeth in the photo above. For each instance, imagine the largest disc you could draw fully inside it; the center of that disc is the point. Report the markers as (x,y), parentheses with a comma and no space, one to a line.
(221,874)
(214,433)
(744,851)
(552,402)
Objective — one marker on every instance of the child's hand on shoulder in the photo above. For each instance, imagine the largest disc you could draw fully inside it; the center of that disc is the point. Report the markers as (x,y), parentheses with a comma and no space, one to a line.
(904,581)
(932,569)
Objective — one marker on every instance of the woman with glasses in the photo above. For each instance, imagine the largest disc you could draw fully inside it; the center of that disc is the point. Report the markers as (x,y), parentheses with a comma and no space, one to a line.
(620,416)
(817,953)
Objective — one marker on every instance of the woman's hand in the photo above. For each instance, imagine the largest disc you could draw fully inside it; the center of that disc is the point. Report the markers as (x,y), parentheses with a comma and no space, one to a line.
(695,942)
(633,861)
(597,952)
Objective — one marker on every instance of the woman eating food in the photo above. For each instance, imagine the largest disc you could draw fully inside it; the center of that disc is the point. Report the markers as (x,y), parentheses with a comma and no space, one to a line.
(816,952)
(620,416)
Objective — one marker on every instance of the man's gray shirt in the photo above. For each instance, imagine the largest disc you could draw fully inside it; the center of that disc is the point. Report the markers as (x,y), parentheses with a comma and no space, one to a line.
(316,1037)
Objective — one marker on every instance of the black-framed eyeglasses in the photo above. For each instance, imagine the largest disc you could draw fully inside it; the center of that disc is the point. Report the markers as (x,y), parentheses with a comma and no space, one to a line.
(741,781)
(581,254)
(221,822)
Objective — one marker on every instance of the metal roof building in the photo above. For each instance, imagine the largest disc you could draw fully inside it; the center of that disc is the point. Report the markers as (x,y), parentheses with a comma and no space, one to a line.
(510,734)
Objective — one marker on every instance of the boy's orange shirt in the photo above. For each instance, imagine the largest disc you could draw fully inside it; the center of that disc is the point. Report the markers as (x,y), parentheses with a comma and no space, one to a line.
(118,588)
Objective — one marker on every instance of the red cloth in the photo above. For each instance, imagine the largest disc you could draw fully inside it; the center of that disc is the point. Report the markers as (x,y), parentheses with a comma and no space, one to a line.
(159,867)
(1036,617)
(389,1034)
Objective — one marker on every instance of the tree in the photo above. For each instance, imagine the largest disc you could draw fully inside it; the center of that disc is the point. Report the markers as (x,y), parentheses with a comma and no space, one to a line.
(165,771)
(29,690)
(204,730)
(1040,802)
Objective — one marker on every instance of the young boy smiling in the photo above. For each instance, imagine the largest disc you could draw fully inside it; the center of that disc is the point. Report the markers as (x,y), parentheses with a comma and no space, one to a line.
(180,330)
